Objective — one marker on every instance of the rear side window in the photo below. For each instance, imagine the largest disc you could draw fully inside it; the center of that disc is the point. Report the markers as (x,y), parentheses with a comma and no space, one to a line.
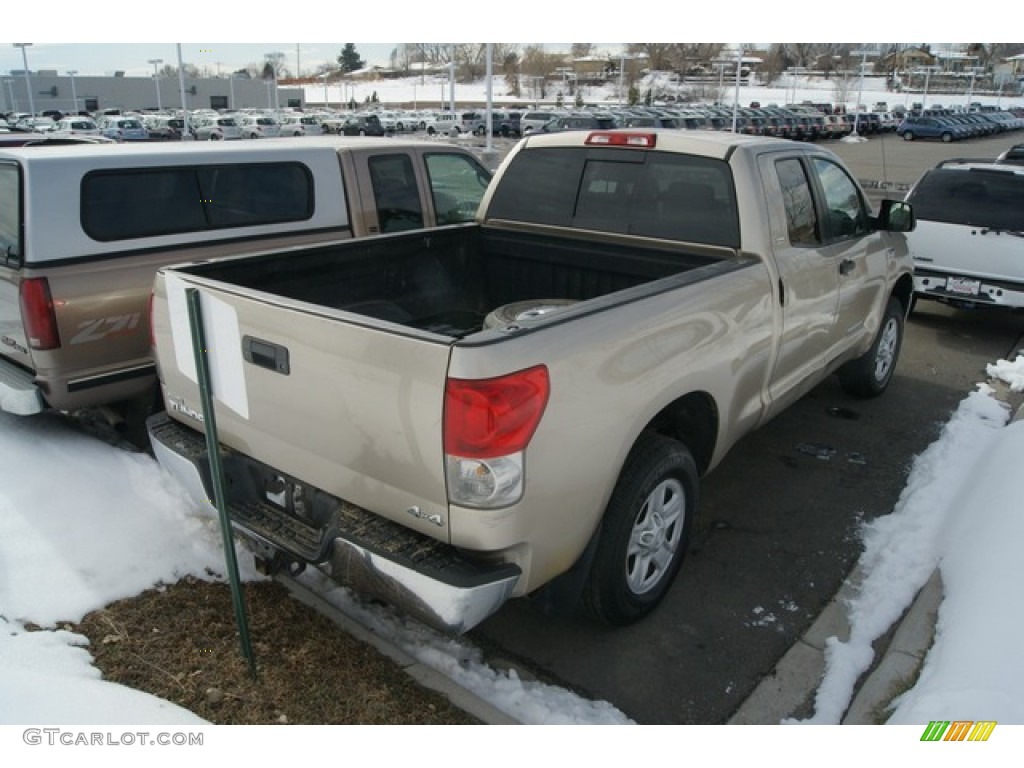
(457,184)
(651,194)
(975,197)
(395,193)
(10,213)
(801,217)
(129,204)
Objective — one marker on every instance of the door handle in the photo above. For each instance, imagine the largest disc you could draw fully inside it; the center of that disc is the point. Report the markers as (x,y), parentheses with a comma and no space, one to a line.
(846,266)
(266,354)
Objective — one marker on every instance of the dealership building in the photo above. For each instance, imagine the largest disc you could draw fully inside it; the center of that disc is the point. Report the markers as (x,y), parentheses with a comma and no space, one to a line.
(70,93)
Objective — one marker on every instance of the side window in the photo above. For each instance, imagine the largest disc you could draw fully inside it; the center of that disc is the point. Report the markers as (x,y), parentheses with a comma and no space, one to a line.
(395,193)
(10,212)
(118,205)
(247,195)
(801,218)
(846,215)
(457,184)
(127,204)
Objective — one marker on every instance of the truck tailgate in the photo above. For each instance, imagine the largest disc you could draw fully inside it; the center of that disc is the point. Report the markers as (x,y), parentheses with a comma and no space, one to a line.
(356,414)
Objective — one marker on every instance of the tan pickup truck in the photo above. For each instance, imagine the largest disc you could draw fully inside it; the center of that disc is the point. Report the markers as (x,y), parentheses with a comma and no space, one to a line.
(83,230)
(525,405)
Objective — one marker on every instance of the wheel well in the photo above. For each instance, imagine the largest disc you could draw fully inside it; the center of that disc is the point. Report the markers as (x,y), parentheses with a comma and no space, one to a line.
(693,420)
(904,291)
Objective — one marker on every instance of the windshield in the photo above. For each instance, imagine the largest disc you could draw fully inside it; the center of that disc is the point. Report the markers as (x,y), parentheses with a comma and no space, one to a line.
(976,197)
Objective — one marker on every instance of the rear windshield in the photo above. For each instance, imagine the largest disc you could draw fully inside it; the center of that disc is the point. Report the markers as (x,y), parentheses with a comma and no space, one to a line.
(647,193)
(976,197)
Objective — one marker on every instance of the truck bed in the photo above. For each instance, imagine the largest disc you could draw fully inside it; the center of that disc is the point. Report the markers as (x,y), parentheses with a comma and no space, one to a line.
(447,281)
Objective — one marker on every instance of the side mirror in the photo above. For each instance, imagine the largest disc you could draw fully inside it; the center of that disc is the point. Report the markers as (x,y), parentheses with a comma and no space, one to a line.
(896,216)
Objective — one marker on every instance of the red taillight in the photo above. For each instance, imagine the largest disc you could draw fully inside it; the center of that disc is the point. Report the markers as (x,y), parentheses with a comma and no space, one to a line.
(37,314)
(622,139)
(485,418)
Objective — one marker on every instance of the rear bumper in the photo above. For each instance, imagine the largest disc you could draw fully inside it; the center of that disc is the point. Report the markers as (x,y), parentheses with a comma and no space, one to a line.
(425,578)
(967,291)
(18,392)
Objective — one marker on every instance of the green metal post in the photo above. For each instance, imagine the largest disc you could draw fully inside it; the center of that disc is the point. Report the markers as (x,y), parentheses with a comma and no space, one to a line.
(195,320)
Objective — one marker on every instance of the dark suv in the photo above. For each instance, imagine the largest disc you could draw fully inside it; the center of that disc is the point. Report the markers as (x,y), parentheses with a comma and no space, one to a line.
(363,125)
(580,123)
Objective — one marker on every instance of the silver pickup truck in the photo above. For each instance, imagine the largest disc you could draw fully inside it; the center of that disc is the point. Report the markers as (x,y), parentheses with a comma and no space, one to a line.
(83,230)
(524,405)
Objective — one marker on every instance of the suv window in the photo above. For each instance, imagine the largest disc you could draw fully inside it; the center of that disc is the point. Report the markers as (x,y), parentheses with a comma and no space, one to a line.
(975,197)
(126,204)
(652,194)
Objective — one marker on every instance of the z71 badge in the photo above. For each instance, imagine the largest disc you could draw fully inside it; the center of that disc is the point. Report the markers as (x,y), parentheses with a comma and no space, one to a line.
(105,327)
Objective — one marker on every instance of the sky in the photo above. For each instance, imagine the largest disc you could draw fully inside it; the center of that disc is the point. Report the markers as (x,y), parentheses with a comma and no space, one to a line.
(95,43)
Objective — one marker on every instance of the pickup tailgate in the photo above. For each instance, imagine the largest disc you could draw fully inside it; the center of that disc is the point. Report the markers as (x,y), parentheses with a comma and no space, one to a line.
(356,414)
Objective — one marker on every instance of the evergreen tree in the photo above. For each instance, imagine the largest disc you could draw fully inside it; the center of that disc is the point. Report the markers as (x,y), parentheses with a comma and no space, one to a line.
(349,59)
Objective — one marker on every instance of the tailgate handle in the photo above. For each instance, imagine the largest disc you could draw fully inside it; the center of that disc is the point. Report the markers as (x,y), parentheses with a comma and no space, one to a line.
(266,354)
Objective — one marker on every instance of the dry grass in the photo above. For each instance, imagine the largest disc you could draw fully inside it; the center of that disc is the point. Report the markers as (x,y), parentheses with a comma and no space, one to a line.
(180,643)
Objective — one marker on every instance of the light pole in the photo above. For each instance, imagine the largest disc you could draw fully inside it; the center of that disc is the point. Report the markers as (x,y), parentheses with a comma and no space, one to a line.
(274,59)
(74,94)
(156,79)
(924,96)
(28,77)
(10,95)
(860,91)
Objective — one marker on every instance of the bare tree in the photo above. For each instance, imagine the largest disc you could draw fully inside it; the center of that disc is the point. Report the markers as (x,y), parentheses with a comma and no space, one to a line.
(659,55)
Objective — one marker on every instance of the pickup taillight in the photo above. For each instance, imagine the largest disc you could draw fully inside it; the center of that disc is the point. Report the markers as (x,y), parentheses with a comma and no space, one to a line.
(37,315)
(487,425)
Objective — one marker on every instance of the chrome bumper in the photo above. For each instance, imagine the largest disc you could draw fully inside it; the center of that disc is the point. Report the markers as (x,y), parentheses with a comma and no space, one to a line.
(427,579)
(18,393)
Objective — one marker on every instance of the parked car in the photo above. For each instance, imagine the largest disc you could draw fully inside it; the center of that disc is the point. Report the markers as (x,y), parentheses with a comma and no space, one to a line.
(121,128)
(215,128)
(580,122)
(300,125)
(164,127)
(29,124)
(363,125)
(924,127)
(531,121)
(1012,156)
(968,241)
(77,126)
(259,127)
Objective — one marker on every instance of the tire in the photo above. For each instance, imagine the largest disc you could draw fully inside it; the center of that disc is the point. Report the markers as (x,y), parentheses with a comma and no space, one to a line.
(869,375)
(947,137)
(645,531)
(908,136)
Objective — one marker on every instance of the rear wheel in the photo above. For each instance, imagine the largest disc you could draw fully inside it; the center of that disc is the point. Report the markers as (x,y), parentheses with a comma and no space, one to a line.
(645,531)
(908,136)
(947,137)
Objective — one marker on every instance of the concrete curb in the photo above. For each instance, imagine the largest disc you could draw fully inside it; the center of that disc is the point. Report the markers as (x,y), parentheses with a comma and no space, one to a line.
(789,689)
